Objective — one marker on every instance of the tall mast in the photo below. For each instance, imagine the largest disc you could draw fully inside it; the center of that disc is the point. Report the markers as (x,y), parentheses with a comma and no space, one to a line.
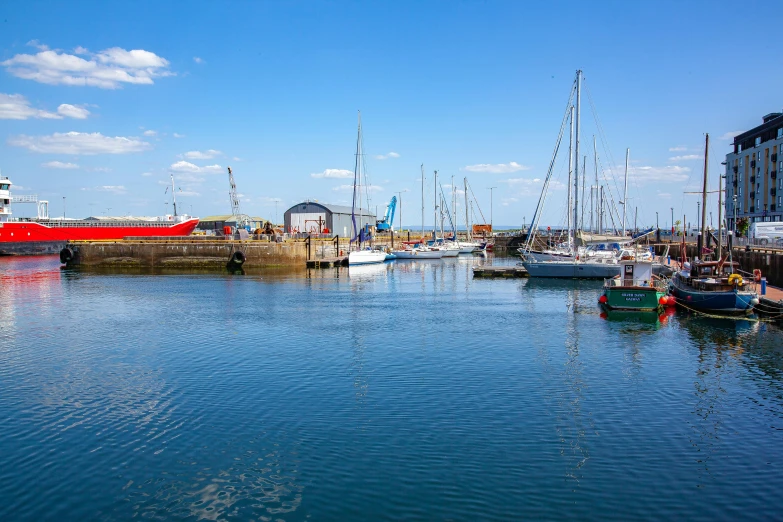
(435,209)
(467,218)
(704,193)
(357,185)
(570,173)
(422,202)
(173,195)
(582,209)
(625,190)
(595,167)
(454,205)
(720,213)
(576,148)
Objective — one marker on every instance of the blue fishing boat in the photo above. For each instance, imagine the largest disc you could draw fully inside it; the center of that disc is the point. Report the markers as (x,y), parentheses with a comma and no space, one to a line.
(714,287)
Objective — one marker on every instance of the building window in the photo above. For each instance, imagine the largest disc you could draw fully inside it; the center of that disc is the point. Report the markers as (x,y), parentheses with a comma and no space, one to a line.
(757,204)
(758,141)
(758,155)
(741,161)
(740,191)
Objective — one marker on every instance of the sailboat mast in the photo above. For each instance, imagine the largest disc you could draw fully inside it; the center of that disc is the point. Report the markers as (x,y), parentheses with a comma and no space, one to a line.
(435,208)
(625,190)
(173,195)
(467,218)
(582,210)
(720,215)
(595,167)
(422,202)
(704,193)
(355,232)
(576,148)
(570,172)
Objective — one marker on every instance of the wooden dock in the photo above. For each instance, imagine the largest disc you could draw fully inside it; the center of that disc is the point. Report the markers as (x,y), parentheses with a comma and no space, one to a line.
(499,271)
(328,262)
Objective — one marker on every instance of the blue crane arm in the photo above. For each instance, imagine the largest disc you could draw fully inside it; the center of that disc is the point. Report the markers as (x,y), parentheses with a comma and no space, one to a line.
(390,210)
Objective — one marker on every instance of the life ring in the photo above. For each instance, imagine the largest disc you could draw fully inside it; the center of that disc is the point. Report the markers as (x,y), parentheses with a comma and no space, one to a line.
(735,278)
(757,275)
(238,258)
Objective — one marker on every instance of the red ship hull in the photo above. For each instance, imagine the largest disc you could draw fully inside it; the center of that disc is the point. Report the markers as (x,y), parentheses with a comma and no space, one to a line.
(30,237)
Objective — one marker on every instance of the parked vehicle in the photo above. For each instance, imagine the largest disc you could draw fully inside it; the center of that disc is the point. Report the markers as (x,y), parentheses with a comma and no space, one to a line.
(766,233)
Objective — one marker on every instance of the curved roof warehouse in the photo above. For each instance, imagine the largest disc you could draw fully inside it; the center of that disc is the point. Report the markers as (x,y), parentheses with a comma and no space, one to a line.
(312,217)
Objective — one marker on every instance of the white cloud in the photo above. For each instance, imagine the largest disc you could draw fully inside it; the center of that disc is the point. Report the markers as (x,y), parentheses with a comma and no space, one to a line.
(73,111)
(499,168)
(729,135)
(100,169)
(107,69)
(664,195)
(202,155)
(16,107)
(150,132)
(79,143)
(185,166)
(59,165)
(113,189)
(667,174)
(198,60)
(687,157)
(508,201)
(237,159)
(146,174)
(387,156)
(522,181)
(371,188)
(333,173)
(178,135)
(678,148)
(38,45)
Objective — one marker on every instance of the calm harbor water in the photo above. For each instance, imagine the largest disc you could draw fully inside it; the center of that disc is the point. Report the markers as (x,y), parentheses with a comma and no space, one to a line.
(402,391)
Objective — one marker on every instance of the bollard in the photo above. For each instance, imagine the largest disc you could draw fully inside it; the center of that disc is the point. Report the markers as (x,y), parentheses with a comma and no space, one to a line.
(763,286)
(669,260)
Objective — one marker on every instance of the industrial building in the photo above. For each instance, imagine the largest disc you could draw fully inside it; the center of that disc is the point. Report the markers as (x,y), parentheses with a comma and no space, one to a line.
(753,173)
(311,217)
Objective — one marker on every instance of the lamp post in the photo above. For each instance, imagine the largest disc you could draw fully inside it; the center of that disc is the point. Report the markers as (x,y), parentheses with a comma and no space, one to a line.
(490,209)
(63,207)
(672,209)
(399,200)
(698,213)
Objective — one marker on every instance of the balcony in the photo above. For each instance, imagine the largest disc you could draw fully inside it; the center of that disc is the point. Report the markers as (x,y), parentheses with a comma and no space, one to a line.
(753,164)
(773,192)
(774,158)
(735,169)
(752,180)
(753,195)
(752,210)
(773,208)
(734,182)
(773,174)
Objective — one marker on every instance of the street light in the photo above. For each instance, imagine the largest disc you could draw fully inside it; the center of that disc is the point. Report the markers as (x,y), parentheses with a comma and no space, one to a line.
(399,200)
(672,209)
(698,214)
(490,209)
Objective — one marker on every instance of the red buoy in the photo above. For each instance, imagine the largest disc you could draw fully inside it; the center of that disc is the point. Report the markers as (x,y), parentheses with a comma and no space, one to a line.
(602,299)
(672,300)
(663,300)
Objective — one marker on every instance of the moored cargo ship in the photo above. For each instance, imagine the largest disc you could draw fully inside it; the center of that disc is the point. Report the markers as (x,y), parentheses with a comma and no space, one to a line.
(41,235)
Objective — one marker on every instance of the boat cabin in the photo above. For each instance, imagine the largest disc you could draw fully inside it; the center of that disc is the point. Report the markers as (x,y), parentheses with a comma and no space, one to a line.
(714,276)
(638,274)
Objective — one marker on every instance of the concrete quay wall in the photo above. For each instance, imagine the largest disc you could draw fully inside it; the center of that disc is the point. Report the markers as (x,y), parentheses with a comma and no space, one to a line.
(187,254)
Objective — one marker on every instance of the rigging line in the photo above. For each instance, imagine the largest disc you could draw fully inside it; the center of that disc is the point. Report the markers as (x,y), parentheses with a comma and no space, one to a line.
(613,211)
(603,137)
(534,223)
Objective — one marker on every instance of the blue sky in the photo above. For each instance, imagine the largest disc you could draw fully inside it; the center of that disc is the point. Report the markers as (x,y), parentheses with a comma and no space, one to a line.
(100,101)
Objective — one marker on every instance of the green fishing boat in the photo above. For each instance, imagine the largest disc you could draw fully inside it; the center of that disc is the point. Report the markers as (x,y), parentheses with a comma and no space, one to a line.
(636,288)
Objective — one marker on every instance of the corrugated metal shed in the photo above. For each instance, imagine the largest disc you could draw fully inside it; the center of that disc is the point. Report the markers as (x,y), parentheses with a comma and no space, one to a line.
(313,217)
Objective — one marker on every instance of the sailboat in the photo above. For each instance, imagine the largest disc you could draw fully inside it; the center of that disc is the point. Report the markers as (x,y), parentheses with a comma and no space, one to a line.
(712,286)
(359,233)
(419,250)
(469,245)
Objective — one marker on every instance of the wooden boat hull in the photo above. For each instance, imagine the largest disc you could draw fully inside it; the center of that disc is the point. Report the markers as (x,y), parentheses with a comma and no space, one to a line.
(731,302)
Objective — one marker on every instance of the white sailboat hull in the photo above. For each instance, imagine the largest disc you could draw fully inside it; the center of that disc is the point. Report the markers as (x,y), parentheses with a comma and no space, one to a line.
(571,269)
(418,254)
(366,257)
